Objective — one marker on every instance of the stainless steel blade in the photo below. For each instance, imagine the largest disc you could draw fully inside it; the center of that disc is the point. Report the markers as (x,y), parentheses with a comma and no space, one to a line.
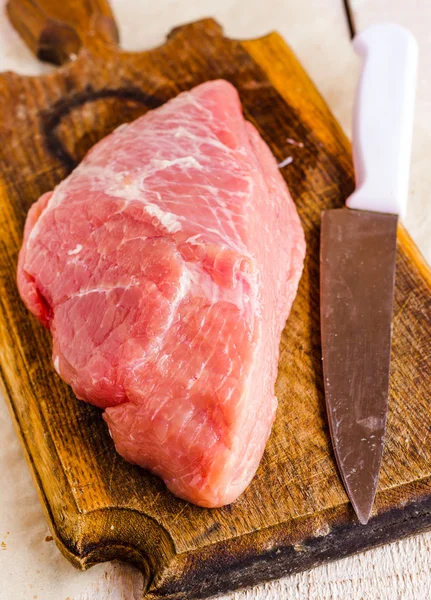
(357,271)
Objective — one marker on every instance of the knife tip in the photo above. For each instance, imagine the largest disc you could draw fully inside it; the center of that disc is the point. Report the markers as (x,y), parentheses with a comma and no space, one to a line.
(363,508)
(363,517)
(361,491)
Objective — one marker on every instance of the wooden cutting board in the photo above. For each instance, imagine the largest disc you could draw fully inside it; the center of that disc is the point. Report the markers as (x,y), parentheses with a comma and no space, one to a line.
(295,513)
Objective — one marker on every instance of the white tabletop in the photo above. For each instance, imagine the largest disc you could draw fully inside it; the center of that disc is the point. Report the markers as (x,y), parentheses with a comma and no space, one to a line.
(31,567)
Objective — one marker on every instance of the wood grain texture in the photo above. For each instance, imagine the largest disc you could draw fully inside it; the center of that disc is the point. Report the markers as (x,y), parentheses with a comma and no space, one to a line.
(295,513)
(55,31)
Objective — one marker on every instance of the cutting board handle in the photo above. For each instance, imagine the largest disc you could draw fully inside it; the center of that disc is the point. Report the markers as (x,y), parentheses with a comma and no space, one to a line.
(56,30)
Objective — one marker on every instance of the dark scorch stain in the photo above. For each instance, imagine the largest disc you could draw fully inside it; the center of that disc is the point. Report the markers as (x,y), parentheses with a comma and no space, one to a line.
(50,119)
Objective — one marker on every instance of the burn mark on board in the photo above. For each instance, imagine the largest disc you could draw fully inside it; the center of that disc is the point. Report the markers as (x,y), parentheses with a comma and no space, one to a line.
(224,570)
(94,112)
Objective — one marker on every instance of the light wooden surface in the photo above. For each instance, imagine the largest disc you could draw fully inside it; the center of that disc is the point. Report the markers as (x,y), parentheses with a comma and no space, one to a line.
(335,581)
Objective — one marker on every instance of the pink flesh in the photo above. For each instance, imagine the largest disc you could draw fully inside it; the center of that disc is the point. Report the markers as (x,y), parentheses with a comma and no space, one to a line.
(165,267)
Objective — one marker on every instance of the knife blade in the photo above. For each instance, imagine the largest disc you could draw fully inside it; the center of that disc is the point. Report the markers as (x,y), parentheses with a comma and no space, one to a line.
(357,261)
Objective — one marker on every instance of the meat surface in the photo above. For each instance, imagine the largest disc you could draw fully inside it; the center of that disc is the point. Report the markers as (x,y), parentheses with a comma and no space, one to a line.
(165,266)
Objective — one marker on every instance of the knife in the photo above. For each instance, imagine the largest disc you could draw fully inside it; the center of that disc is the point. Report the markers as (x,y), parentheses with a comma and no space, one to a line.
(357,261)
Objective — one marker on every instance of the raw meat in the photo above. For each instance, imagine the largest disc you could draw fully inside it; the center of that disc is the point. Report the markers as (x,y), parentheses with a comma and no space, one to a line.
(165,266)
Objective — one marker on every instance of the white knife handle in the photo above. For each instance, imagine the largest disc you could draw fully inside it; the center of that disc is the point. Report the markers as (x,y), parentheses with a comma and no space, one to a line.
(383,118)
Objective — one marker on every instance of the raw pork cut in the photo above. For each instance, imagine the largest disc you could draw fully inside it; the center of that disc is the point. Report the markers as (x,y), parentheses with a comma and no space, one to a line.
(165,266)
